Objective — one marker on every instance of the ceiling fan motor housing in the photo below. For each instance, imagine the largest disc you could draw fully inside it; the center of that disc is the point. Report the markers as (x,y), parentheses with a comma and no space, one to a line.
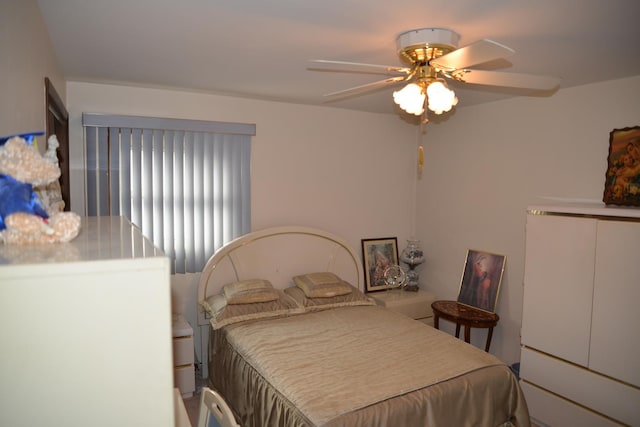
(424,44)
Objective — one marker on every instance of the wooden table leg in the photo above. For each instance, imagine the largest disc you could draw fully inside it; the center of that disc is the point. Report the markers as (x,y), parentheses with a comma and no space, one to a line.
(457,330)
(467,334)
(436,320)
(489,335)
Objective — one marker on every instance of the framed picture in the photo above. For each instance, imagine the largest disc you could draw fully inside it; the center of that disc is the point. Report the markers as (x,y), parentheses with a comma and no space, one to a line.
(481,279)
(622,181)
(377,255)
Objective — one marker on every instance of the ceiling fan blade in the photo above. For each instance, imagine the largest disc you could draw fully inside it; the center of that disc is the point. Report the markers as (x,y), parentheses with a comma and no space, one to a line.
(515,80)
(365,88)
(361,67)
(476,53)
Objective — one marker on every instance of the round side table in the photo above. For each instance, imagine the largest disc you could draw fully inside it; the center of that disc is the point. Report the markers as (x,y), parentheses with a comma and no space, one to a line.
(465,315)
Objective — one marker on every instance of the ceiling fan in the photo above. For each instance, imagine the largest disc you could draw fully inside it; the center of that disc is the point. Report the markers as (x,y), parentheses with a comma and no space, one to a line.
(432,56)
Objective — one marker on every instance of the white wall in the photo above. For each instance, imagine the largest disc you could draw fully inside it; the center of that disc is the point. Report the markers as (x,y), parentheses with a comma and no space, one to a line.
(27,58)
(487,163)
(350,173)
(328,168)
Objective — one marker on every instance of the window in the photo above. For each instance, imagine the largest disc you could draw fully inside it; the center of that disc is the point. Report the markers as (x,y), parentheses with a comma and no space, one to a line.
(184,183)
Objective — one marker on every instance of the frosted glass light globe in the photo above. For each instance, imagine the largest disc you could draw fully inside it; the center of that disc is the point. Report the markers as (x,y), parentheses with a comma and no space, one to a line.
(410,98)
(441,98)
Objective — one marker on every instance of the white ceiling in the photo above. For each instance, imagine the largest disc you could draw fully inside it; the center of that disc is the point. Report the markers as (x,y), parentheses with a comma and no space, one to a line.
(260,48)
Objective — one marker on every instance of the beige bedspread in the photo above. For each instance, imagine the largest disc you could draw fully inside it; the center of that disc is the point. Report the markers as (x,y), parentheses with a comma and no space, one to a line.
(360,366)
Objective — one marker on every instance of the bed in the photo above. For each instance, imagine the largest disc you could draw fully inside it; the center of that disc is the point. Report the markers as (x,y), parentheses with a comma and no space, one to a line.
(293,341)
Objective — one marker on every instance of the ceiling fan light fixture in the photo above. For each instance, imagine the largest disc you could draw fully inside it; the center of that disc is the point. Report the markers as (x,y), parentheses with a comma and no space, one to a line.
(410,98)
(440,98)
(432,56)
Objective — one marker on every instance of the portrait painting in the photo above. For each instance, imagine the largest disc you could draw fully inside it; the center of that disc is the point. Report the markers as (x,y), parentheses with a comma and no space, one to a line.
(622,181)
(377,256)
(481,278)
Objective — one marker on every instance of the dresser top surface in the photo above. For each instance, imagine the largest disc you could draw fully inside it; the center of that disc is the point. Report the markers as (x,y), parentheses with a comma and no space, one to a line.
(400,296)
(100,238)
(587,209)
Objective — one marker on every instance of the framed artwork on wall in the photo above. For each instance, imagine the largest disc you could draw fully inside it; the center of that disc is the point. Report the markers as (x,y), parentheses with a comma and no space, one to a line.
(377,256)
(481,278)
(622,181)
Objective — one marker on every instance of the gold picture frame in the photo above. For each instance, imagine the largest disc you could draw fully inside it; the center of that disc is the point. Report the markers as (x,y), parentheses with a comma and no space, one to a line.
(481,279)
(377,256)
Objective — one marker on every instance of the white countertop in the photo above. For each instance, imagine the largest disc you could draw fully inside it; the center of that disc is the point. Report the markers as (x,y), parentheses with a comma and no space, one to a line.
(101,238)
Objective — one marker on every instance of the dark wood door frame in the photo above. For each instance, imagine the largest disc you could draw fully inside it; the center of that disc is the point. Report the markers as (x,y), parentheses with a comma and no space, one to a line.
(58,124)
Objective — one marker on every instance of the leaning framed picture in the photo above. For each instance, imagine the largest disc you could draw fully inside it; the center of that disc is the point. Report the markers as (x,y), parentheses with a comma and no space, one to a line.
(622,181)
(481,278)
(377,256)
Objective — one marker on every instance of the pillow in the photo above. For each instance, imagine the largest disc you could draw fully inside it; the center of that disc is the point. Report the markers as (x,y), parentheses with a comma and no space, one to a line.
(249,291)
(322,285)
(223,313)
(355,297)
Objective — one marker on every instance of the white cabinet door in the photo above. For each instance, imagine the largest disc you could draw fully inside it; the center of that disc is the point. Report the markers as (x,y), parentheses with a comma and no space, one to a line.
(558,285)
(615,346)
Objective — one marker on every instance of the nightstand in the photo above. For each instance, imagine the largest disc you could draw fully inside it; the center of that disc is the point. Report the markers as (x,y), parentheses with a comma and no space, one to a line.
(416,305)
(184,377)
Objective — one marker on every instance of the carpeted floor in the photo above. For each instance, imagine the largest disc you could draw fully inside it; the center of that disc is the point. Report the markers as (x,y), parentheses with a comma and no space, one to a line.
(192,404)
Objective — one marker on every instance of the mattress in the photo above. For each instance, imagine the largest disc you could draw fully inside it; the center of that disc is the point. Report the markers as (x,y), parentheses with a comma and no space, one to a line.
(359,366)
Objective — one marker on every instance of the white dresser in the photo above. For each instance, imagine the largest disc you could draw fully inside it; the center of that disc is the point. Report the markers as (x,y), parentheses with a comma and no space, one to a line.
(86,331)
(580,361)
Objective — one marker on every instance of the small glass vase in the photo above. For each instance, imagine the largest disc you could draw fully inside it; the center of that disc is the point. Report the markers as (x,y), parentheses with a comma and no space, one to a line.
(413,256)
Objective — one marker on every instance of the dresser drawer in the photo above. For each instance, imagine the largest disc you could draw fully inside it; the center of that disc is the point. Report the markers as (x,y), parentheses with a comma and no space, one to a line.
(553,410)
(599,393)
(185,379)
(183,351)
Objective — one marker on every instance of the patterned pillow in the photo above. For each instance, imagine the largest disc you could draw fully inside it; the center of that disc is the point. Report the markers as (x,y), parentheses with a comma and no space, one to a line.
(322,285)
(222,313)
(249,291)
(355,297)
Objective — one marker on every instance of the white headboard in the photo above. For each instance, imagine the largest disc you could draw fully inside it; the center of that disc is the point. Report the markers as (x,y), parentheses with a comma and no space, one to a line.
(277,254)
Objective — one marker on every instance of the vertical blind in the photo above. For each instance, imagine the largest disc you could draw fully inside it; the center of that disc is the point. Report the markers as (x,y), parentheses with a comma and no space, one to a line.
(184,183)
